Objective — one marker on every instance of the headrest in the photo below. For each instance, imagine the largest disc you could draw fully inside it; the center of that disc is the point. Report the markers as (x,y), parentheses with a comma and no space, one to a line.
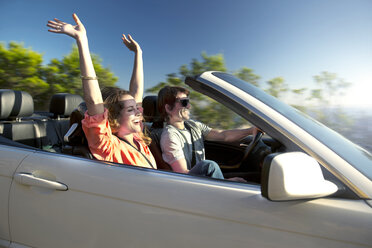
(64,103)
(75,135)
(151,112)
(6,103)
(150,108)
(78,114)
(14,103)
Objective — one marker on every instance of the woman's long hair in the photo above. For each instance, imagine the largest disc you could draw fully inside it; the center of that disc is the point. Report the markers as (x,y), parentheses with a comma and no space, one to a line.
(111,97)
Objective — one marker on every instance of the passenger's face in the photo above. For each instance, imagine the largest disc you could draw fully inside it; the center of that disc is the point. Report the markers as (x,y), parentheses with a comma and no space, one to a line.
(131,116)
(180,111)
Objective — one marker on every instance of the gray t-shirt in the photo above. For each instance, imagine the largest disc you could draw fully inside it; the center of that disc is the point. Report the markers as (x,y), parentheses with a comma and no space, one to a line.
(175,145)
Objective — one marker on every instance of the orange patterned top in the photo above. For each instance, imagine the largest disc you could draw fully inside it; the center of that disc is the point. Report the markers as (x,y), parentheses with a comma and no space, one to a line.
(108,147)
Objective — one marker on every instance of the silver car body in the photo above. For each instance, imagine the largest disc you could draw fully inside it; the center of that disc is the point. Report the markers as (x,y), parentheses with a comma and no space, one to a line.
(106,205)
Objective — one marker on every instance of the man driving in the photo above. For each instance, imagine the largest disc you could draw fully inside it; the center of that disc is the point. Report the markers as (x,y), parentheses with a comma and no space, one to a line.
(182,140)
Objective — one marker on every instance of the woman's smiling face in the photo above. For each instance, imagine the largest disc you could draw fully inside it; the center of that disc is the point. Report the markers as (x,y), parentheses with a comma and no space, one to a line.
(130,116)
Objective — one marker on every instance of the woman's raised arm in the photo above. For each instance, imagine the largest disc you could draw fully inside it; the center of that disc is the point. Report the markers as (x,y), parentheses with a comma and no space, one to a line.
(92,92)
(136,81)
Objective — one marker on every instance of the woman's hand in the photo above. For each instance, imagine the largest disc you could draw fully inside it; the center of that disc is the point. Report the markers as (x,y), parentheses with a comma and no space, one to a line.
(131,44)
(78,31)
(136,81)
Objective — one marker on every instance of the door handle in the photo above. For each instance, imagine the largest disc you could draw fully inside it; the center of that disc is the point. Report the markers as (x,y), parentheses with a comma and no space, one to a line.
(31,180)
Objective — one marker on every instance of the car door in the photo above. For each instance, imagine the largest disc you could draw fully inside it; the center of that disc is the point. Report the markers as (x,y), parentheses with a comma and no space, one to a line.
(111,206)
(11,157)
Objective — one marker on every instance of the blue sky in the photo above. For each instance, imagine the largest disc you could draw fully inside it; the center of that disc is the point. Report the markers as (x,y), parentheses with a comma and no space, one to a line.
(294,39)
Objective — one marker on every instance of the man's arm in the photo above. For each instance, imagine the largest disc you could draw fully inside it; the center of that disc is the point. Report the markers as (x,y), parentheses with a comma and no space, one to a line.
(230,135)
(180,166)
(171,146)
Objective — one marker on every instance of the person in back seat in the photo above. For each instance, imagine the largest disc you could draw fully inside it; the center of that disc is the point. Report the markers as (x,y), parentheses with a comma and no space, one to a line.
(113,127)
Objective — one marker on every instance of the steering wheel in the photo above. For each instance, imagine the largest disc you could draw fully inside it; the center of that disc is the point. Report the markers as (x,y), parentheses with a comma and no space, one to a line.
(252,145)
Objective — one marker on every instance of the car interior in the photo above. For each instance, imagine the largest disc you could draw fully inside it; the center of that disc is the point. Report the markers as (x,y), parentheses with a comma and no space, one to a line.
(60,131)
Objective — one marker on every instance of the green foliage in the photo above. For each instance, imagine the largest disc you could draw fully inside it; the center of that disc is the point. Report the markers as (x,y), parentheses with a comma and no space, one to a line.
(64,75)
(277,86)
(22,69)
(204,108)
(300,91)
(330,88)
(171,79)
(216,115)
(247,75)
(299,94)
(330,85)
(208,63)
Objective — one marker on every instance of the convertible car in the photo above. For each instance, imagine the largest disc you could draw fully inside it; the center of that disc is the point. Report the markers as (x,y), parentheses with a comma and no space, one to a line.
(307,186)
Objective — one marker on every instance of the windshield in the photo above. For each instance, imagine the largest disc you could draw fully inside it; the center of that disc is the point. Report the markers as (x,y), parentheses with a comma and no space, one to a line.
(355,155)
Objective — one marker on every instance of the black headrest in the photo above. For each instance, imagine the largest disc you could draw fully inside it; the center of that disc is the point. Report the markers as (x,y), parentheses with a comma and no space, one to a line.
(82,108)
(14,103)
(78,114)
(150,108)
(75,135)
(64,104)
(151,112)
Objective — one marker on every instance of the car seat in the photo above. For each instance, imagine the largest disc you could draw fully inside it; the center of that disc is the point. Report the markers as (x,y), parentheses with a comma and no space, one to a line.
(61,108)
(16,108)
(76,142)
(152,116)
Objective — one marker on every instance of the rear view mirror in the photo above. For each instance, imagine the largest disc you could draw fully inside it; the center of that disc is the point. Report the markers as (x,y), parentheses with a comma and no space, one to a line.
(293,176)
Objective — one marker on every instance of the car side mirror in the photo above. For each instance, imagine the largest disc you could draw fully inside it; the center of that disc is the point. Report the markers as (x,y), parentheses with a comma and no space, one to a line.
(293,176)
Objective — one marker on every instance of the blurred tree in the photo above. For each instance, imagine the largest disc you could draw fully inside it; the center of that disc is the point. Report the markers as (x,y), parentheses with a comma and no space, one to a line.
(247,75)
(298,94)
(21,69)
(277,86)
(325,99)
(204,108)
(64,75)
(330,88)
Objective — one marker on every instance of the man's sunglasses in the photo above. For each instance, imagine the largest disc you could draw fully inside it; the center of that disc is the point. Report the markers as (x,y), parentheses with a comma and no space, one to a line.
(184,101)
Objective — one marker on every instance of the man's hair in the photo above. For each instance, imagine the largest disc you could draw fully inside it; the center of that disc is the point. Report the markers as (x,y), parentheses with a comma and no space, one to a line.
(167,95)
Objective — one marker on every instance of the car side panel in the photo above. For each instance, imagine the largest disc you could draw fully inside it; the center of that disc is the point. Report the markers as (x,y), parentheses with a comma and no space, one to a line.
(11,157)
(108,206)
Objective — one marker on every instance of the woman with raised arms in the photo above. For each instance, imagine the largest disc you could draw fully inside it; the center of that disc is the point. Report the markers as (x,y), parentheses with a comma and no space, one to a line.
(113,126)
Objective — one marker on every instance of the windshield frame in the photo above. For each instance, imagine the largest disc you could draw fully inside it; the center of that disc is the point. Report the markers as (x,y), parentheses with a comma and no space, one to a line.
(350,152)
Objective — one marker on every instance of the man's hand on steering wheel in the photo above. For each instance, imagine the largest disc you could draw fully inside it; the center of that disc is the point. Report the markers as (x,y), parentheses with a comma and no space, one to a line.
(258,133)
